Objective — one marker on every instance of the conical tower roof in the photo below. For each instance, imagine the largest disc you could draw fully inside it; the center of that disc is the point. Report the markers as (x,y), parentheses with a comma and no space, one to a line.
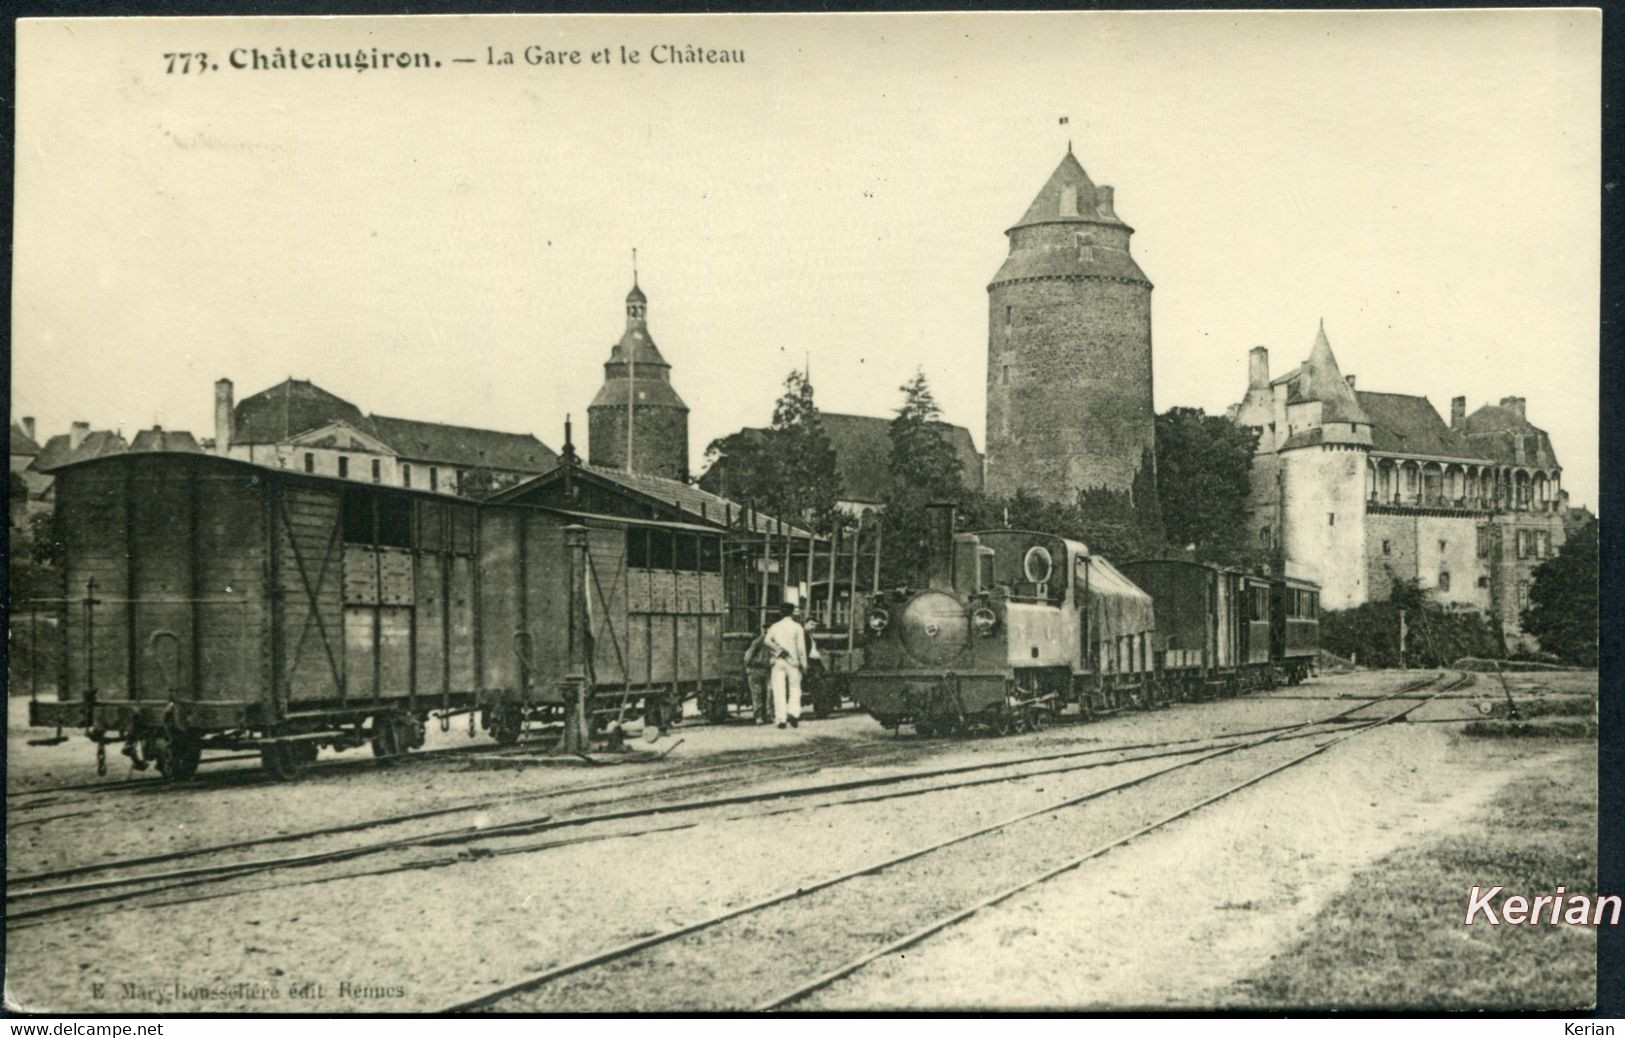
(1070,196)
(1322,380)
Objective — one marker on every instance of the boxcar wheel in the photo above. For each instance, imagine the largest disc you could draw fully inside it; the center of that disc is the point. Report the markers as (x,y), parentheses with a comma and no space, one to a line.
(178,755)
(285,761)
(507,723)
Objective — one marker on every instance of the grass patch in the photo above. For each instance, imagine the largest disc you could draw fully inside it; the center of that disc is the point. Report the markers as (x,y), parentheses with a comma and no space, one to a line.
(1396,938)
(1546,729)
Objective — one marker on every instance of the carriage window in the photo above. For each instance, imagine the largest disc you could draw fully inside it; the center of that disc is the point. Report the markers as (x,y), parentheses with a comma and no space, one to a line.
(688,553)
(660,553)
(710,555)
(637,548)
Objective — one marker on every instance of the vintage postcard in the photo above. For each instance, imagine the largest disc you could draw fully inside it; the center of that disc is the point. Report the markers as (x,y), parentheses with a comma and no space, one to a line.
(805,513)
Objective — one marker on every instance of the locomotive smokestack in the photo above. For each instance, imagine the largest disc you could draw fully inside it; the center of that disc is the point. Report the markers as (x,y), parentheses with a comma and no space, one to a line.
(939,532)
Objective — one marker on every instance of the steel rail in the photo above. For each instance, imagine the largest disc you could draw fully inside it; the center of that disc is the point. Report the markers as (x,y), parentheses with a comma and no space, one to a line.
(824,980)
(544,823)
(640,944)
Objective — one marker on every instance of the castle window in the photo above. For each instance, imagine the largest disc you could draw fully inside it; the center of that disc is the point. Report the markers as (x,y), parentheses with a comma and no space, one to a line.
(377,470)
(1483,542)
(1523,544)
(1543,543)
(344,467)
(1004,378)
(406,474)
(1523,594)
(1331,518)
(1264,536)
(434,478)
(1444,580)
(1483,581)
(310,462)
(1387,547)
(1442,546)
(1009,318)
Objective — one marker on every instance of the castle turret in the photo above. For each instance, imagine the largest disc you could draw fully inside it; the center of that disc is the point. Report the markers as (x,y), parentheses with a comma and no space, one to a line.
(637,413)
(1323,478)
(1069,349)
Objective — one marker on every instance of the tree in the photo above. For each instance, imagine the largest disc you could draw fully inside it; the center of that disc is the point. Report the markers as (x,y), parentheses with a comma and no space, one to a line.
(1563,600)
(787,469)
(802,456)
(1204,469)
(923,468)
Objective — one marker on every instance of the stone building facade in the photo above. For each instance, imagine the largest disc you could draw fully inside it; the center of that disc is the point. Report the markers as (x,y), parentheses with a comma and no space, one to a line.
(1360,490)
(636,409)
(298,425)
(1069,403)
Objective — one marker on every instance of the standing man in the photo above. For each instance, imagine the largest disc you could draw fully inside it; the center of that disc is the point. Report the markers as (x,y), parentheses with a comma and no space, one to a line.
(758,664)
(787,642)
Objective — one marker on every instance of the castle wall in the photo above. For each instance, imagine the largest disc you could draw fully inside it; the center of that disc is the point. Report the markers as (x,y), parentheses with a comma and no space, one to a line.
(1390,545)
(1324,505)
(1068,386)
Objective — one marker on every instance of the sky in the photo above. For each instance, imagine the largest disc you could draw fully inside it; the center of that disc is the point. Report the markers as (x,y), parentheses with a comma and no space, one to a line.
(454,243)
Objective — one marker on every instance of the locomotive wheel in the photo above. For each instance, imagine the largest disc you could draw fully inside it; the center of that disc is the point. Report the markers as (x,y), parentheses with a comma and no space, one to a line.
(286,761)
(178,755)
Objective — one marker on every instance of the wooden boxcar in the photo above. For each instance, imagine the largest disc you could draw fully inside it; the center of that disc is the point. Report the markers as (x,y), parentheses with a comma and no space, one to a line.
(213,604)
(1295,627)
(1213,626)
(650,603)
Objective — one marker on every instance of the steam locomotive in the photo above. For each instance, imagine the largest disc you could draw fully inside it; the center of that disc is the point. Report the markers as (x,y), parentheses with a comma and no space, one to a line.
(1013,626)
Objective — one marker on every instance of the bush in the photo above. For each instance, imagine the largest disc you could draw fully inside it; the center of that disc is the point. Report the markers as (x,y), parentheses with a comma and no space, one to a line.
(1435,636)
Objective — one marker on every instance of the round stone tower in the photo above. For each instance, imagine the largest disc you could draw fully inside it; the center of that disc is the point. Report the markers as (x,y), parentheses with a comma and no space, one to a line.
(637,413)
(1069,349)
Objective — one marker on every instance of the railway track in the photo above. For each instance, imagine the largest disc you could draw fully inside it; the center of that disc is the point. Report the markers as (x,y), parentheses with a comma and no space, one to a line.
(618,959)
(136,887)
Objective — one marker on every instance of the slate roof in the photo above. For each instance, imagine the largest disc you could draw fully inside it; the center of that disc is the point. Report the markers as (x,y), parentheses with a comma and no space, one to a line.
(56,452)
(460,445)
(1405,424)
(863,454)
(1507,437)
(296,406)
(21,442)
(159,439)
(684,497)
(1092,204)
(288,409)
(1321,379)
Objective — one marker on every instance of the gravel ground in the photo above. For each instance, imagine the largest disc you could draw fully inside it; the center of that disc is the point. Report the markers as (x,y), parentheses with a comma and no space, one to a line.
(396,942)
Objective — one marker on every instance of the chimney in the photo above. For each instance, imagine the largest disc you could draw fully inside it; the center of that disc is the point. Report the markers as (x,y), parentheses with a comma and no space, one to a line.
(225,417)
(1458,411)
(939,534)
(1513,404)
(28,427)
(1350,380)
(1258,368)
(76,434)
(1103,201)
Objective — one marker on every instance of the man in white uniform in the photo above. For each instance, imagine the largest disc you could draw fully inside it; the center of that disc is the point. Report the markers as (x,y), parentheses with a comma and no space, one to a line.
(787,642)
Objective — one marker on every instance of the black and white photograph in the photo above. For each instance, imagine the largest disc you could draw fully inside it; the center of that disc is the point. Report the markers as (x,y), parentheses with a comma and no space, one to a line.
(822,514)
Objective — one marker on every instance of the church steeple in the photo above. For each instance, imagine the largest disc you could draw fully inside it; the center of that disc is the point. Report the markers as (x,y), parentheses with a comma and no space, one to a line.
(636,408)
